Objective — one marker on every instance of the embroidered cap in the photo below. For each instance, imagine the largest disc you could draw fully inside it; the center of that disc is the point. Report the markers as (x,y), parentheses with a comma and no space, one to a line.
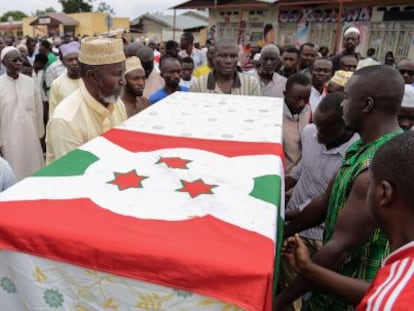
(101,51)
(341,77)
(132,63)
(69,48)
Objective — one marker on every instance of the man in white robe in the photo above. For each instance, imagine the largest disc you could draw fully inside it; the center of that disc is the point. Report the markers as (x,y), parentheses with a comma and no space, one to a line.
(21,117)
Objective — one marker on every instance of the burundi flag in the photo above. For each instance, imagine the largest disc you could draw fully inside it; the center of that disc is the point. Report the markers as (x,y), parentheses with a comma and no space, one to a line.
(194,214)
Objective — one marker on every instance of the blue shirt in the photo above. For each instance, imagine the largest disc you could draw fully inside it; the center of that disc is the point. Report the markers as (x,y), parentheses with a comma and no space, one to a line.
(162,93)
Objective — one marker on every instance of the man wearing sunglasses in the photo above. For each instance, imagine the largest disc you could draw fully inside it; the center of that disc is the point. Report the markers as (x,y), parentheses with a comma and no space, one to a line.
(406,68)
(21,117)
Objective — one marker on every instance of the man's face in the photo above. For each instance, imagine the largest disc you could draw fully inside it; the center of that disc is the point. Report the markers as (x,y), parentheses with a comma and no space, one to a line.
(348,63)
(27,70)
(406,68)
(225,60)
(406,118)
(289,61)
(171,72)
(351,41)
(330,127)
(307,56)
(135,82)
(211,52)
(13,62)
(269,62)
(297,97)
(351,104)
(31,46)
(110,79)
(187,71)
(162,48)
(184,43)
(43,50)
(71,62)
(321,72)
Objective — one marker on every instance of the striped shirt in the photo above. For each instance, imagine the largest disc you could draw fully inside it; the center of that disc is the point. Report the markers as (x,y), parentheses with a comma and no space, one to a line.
(393,286)
(243,84)
(313,173)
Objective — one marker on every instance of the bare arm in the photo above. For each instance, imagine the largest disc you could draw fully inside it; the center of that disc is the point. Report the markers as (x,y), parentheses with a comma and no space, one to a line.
(354,225)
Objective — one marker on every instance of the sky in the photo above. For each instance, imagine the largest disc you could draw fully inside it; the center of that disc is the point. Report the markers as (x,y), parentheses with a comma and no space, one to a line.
(123,8)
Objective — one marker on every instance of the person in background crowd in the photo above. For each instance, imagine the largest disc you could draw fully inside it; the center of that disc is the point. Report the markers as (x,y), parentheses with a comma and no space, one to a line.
(172,49)
(133,48)
(7,178)
(369,61)
(206,68)
(69,81)
(31,48)
(162,48)
(271,83)
(2,46)
(323,51)
(21,117)
(321,71)
(133,89)
(348,63)
(269,34)
(52,72)
(307,55)
(350,42)
(27,68)
(46,49)
(95,107)
(290,59)
(187,69)
(157,55)
(154,80)
(406,68)
(40,62)
(296,115)
(171,73)
(188,49)
(338,81)
(225,78)
(406,114)
(324,144)
(389,59)
(24,52)
(390,200)
(353,245)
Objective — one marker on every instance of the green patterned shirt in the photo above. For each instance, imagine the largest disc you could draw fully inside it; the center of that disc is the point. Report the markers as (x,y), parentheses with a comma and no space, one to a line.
(367,258)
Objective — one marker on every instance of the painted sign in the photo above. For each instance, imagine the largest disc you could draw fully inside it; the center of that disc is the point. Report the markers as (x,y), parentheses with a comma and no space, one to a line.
(325,15)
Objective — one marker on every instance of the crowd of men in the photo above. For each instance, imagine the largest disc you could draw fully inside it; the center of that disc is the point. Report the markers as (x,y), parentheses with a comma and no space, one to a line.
(348,166)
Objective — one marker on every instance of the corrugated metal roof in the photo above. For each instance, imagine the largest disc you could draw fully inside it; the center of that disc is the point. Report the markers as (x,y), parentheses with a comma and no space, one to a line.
(182,22)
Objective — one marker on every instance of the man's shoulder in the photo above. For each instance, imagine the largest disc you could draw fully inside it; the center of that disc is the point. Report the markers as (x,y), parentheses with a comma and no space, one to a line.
(68,107)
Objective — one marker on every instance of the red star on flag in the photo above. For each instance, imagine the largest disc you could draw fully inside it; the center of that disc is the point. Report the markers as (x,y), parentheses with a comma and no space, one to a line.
(127,180)
(174,162)
(196,188)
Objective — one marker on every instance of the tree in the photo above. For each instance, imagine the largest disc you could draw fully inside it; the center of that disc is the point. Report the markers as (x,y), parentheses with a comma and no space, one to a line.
(44,11)
(16,15)
(76,6)
(105,8)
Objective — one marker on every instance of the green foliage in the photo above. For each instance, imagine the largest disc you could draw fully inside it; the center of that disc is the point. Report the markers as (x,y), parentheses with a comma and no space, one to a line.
(44,11)
(105,8)
(16,15)
(76,6)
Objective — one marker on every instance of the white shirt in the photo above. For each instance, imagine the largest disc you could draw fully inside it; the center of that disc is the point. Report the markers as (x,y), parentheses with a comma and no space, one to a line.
(315,98)
(21,124)
(197,55)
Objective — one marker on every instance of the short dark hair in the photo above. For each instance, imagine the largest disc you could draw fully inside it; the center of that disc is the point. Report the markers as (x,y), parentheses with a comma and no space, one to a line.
(26,63)
(170,44)
(267,28)
(41,58)
(188,36)
(383,83)
(297,78)
(370,52)
(306,44)
(332,103)
(46,44)
(394,162)
(187,60)
(166,58)
(291,49)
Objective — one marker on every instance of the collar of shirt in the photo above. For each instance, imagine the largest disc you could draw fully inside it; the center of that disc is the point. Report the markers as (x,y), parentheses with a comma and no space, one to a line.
(92,103)
(288,113)
(340,149)
(404,251)
(211,81)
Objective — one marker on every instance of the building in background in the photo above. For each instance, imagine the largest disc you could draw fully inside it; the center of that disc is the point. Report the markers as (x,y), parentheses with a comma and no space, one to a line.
(159,27)
(87,23)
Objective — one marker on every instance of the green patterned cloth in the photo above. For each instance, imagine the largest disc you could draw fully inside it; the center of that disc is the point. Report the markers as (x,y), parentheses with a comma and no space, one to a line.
(366,259)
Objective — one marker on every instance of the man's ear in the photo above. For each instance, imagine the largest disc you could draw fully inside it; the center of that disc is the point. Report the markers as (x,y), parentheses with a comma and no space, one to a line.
(386,193)
(369,104)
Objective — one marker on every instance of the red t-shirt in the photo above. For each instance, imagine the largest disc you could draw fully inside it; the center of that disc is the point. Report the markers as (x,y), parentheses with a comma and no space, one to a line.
(393,286)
